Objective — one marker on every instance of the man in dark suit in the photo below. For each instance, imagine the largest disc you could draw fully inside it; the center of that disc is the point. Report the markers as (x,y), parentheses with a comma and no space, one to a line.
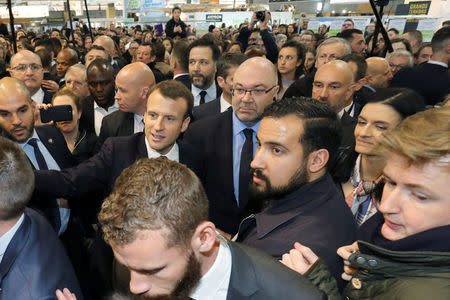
(133,84)
(27,66)
(166,231)
(431,79)
(101,102)
(146,55)
(298,140)
(334,86)
(223,138)
(226,66)
(179,62)
(27,238)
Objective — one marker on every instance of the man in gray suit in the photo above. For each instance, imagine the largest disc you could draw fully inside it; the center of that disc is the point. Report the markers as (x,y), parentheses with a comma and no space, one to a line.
(156,221)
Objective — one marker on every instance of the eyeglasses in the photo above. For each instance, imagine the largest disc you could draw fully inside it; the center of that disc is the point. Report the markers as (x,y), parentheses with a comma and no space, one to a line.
(254,93)
(305,40)
(23,68)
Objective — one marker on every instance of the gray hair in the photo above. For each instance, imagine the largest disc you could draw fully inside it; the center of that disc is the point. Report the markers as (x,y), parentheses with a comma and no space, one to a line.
(77,67)
(403,53)
(335,40)
(16,180)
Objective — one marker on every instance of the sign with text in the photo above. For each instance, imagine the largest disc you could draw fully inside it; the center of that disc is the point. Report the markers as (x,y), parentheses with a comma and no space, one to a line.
(214,17)
(419,8)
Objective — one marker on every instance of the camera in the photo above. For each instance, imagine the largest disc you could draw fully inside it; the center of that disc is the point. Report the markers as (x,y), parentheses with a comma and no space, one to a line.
(261,15)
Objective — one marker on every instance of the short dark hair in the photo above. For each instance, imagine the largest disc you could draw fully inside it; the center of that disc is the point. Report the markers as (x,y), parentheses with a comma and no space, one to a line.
(174,89)
(348,34)
(416,34)
(154,194)
(440,39)
(159,51)
(175,8)
(97,47)
(394,30)
(206,43)
(424,45)
(180,52)
(100,63)
(16,180)
(45,56)
(228,61)
(322,127)
(349,20)
(404,41)
(301,52)
(148,45)
(404,101)
(446,23)
(360,62)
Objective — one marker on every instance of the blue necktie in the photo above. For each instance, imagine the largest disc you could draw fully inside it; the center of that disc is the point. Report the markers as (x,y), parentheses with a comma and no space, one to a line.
(38,154)
(244,167)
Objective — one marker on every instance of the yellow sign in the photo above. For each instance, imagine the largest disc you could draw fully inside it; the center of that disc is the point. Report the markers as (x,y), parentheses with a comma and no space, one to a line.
(419,8)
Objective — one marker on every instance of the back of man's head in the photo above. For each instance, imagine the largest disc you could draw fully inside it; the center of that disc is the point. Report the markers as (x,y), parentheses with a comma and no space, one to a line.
(359,61)
(347,34)
(180,52)
(16,180)
(154,194)
(321,125)
(46,58)
(441,40)
(228,61)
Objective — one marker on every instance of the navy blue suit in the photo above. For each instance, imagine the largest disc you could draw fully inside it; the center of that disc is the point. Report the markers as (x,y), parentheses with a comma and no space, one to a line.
(35,263)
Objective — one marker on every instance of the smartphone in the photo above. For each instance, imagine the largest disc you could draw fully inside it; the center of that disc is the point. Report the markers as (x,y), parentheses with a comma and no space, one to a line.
(56,113)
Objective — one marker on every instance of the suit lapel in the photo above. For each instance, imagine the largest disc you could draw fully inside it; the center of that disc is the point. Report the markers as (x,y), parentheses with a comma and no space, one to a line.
(140,147)
(243,278)
(56,147)
(225,136)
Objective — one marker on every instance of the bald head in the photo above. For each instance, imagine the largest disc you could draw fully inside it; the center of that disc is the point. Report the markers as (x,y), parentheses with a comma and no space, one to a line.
(27,66)
(255,85)
(133,84)
(333,85)
(379,73)
(66,58)
(17,117)
(107,43)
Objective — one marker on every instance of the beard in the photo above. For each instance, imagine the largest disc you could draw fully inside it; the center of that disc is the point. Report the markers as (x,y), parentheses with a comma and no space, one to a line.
(202,82)
(12,137)
(262,198)
(185,285)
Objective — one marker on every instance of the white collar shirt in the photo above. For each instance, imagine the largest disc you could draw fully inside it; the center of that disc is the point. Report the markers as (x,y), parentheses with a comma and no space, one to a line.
(211,93)
(7,237)
(38,97)
(100,113)
(173,154)
(224,105)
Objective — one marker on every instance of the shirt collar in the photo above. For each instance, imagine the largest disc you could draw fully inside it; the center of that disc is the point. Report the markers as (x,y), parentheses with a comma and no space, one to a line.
(173,153)
(178,75)
(34,135)
(38,97)
(238,126)
(115,106)
(438,63)
(216,280)
(7,237)
(211,91)
(224,104)
(348,109)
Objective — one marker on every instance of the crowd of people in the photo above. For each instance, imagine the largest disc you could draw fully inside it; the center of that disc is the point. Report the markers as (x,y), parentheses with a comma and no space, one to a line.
(259,162)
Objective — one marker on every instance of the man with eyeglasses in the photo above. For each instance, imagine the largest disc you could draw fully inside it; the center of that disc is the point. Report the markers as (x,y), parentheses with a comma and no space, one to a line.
(308,39)
(228,142)
(100,79)
(27,67)
(348,24)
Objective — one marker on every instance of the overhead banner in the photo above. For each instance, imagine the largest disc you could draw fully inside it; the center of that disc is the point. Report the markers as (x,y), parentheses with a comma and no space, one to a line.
(26,12)
(427,26)
(398,24)
(419,8)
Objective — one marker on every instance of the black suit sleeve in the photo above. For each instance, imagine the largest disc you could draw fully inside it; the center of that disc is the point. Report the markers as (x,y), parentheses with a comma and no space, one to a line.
(90,176)
(271,46)
(243,36)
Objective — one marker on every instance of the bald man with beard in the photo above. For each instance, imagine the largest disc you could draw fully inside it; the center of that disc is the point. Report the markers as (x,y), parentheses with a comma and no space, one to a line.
(133,84)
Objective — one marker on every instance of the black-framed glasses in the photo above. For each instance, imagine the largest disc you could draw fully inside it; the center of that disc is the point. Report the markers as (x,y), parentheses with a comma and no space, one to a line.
(254,93)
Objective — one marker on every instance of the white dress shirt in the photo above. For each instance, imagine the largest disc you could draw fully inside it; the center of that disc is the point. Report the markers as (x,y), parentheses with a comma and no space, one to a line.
(224,105)
(138,123)
(214,284)
(350,109)
(38,97)
(7,237)
(173,154)
(211,93)
(100,113)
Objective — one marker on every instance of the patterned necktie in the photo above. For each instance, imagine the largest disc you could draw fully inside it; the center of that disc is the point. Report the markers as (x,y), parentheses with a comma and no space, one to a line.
(244,168)
(202,97)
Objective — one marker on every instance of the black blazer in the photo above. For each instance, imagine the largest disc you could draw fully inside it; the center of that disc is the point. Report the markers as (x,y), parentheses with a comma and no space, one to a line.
(118,123)
(213,136)
(348,127)
(87,115)
(257,276)
(47,97)
(184,79)
(99,173)
(55,143)
(205,110)
(301,87)
(429,80)
(36,244)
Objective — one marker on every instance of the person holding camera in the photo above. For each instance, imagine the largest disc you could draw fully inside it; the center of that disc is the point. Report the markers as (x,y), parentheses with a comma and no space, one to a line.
(250,35)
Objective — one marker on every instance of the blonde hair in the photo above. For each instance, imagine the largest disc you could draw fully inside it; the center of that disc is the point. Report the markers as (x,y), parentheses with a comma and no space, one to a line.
(420,138)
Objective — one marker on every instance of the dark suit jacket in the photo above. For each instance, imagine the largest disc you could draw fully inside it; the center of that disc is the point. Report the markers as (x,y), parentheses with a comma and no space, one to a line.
(256,276)
(99,173)
(118,123)
(47,97)
(205,110)
(35,263)
(213,136)
(87,115)
(429,80)
(184,79)
(348,127)
(301,87)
